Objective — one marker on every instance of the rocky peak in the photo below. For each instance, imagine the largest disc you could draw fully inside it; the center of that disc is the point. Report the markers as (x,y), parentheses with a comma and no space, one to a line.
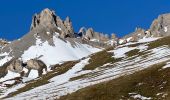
(90,34)
(45,18)
(82,31)
(49,21)
(161,26)
(113,36)
(68,25)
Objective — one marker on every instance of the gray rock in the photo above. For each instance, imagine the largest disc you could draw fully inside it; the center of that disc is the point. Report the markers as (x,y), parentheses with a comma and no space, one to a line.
(49,21)
(90,34)
(135,36)
(161,26)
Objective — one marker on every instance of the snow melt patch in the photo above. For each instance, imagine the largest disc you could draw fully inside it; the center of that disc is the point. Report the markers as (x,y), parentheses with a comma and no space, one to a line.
(9,82)
(128,39)
(138,96)
(166,66)
(33,74)
(69,74)
(10,75)
(150,39)
(120,52)
(5,59)
(13,89)
(59,28)
(165,29)
(121,41)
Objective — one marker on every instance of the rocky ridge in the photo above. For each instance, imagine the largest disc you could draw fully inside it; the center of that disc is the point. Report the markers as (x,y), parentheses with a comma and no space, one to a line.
(159,28)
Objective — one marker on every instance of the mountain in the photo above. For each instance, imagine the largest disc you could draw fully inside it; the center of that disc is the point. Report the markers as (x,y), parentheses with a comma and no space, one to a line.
(86,65)
(158,28)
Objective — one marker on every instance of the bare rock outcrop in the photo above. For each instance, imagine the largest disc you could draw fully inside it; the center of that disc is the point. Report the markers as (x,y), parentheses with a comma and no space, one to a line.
(52,23)
(161,26)
(91,35)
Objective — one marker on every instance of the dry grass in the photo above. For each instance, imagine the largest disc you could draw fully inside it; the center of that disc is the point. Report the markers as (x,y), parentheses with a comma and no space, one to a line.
(159,42)
(100,59)
(136,53)
(132,52)
(147,83)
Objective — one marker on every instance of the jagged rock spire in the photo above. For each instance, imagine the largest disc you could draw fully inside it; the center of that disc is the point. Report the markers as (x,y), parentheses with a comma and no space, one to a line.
(90,34)
(49,21)
(161,25)
(45,18)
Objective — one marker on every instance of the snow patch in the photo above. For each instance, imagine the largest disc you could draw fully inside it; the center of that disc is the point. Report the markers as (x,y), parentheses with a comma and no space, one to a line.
(165,29)
(69,74)
(59,28)
(120,52)
(166,66)
(138,96)
(10,75)
(150,39)
(5,59)
(121,41)
(128,39)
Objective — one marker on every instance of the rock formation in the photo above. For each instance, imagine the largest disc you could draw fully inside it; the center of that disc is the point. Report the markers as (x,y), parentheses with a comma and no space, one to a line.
(91,35)
(161,26)
(52,23)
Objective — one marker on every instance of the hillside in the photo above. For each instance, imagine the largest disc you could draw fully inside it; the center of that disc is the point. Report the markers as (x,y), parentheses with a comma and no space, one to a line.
(85,65)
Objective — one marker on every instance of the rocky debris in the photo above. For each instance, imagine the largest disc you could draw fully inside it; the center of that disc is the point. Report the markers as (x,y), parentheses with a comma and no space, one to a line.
(161,26)
(52,23)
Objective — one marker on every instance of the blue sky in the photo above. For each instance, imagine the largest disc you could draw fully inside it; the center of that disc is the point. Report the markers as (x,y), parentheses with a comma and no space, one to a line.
(107,16)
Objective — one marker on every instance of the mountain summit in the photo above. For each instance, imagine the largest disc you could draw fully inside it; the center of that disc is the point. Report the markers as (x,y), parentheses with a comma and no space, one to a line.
(49,21)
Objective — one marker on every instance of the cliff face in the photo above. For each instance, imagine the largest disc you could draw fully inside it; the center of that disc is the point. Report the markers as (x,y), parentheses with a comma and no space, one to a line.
(161,26)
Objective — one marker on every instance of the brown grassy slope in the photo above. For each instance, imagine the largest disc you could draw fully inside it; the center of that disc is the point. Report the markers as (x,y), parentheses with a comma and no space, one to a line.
(44,79)
(147,83)
(160,42)
(100,59)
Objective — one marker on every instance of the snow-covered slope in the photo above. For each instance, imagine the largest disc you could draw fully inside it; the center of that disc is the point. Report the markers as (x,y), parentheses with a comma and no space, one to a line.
(60,52)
